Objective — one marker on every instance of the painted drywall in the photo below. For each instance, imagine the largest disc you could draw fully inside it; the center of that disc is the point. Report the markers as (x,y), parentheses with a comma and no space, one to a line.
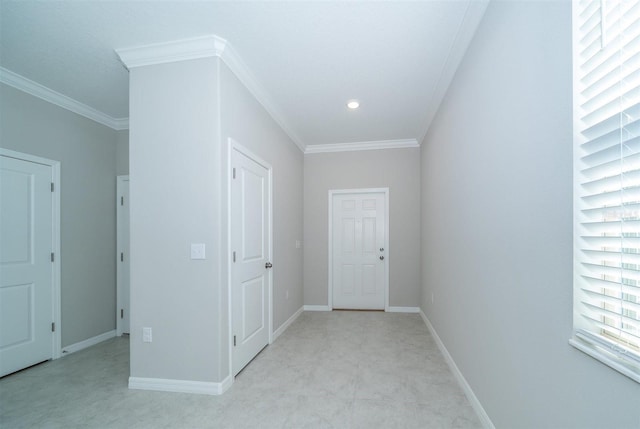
(247,122)
(397,169)
(122,152)
(175,201)
(86,151)
(497,228)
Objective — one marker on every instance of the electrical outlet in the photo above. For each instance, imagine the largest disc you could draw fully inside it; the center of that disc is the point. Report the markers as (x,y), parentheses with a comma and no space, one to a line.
(147,336)
(286,295)
(298,244)
(197,251)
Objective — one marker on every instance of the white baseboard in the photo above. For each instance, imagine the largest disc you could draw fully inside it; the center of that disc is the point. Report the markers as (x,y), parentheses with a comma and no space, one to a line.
(286,324)
(88,342)
(317,308)
(180,386)
(403,309)
(475,403)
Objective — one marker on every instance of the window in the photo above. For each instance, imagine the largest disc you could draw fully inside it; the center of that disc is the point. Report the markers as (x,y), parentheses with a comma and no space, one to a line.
(606,55)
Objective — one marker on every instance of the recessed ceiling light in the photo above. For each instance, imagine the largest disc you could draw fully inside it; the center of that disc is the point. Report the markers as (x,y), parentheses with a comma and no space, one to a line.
(353,104)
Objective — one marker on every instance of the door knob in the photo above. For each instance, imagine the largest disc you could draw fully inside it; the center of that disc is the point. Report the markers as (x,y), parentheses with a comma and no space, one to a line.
(382,258)
(268,265)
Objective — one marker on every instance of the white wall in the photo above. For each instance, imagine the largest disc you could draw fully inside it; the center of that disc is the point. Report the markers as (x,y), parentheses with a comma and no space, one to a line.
(175,201)
(397,169)
(497,228)
(86,151)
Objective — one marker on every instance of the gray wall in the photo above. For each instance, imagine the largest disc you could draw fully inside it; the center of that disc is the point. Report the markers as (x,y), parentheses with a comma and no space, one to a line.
(181,117)
(122,152)
(86,151)
(497,228)
(397,169)
(175,201)
(246,121)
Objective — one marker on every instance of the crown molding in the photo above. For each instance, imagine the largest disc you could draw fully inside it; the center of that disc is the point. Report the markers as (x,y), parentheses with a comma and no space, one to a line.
(467,29)
(356,146)
(37,90)
(205,47)
(169,52)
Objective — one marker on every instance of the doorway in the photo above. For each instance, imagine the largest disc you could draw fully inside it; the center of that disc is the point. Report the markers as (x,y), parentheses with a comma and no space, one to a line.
(30,260)
(250,242)
(359,249)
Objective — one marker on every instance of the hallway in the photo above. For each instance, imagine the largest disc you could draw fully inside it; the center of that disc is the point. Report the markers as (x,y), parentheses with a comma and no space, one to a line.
(336,369)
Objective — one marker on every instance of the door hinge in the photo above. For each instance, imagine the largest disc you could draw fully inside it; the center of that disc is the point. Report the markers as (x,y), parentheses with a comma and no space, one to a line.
(234,256)
(52,187)
(122,201)
(234,341)
(122,313)
(53,326)
(53,257)
(121,256)
(234,173)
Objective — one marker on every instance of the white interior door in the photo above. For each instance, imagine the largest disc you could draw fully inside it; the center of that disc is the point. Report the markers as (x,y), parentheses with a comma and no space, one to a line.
(251,247)
(26,249)
(359,249)
(123,264)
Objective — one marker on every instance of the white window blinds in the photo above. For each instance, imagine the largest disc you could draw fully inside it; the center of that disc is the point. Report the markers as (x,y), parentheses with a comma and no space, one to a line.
(607,181)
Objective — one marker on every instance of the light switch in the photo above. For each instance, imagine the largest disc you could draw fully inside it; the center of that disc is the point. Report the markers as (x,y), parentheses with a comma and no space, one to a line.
(147,335)
(197,251)
(298,244)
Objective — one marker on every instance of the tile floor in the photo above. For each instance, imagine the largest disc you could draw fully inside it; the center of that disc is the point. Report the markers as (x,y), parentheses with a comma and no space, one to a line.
(328,370)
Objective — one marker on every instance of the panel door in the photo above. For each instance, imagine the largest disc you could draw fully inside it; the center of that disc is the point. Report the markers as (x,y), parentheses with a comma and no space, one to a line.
(26,279)
(250,235)
(358,240)
(123,311)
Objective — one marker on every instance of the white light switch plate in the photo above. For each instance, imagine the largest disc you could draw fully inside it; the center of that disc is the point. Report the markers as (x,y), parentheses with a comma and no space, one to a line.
(147,336)
(197,251)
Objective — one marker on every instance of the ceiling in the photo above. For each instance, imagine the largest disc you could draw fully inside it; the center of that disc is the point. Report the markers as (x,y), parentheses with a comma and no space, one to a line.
(397,58)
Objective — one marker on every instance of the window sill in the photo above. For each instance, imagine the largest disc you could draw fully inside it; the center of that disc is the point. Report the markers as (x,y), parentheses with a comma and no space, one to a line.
(622,366)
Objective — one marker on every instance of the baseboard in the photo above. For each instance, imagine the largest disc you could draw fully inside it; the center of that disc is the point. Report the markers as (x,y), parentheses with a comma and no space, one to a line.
(475,403)
(317,308)
(88,342)
(180,386)
(403,309)
(286,324)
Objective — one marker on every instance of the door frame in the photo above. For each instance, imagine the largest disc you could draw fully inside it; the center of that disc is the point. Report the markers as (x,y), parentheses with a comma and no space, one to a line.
(56,341)
(384,191)
(119,292)
(231,146)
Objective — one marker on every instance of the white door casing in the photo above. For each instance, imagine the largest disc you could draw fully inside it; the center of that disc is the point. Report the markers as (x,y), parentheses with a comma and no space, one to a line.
(123,256)
(358,249)
(29,261)
(250,241)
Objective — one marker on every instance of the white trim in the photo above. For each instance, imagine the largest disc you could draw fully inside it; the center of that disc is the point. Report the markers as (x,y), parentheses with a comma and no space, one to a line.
(40,91)
(119,185)
(180,386)
(623,367)
(205,47)
(333,192)
(317,308)
(56,346)
(173,51)
(467,29)
(475,403)
(88,342)
(403,309)
(357,146)
(286,324)
(234,145)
